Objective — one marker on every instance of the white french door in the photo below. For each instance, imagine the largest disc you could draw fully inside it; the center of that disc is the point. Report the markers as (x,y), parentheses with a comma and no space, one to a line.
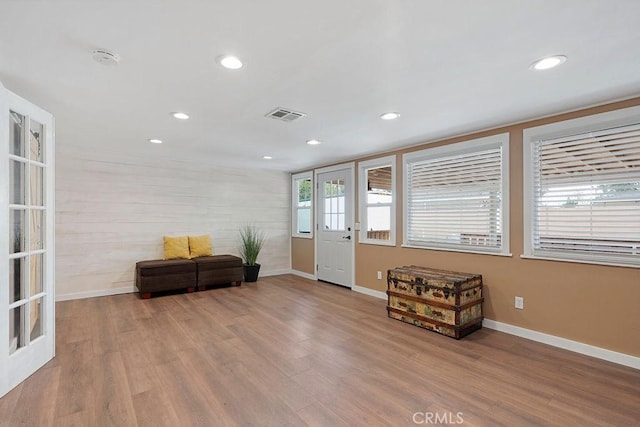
(27,300)
(335,225)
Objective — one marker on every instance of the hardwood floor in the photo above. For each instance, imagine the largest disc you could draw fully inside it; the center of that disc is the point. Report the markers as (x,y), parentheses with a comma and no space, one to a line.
(289,351)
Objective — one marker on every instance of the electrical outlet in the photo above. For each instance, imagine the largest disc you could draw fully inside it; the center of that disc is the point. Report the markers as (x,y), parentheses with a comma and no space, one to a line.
(520,303)
(379,275)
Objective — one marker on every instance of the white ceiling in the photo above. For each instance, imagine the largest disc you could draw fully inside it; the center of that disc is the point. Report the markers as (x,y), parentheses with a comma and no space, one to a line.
(449,67)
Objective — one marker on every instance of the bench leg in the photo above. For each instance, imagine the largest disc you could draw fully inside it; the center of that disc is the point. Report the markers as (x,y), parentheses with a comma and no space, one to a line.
(190,290)
(145,295)
(238,283)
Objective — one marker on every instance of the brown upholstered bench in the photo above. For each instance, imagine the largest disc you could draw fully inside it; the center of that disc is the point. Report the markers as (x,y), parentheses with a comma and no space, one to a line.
(165,275)
(173,274)
(218,270)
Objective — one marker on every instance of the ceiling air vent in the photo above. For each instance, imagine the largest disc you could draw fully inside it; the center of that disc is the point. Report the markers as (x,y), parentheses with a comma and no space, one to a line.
(285,115)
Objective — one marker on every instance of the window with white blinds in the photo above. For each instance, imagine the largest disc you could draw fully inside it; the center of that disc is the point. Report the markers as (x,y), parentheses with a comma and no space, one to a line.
(586,190)
(457,196)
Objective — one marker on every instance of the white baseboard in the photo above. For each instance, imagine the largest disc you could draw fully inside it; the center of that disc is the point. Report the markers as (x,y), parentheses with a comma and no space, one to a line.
(275,272)
(575,346)
(303,274)
(98,293)
(370,292)
(132,288)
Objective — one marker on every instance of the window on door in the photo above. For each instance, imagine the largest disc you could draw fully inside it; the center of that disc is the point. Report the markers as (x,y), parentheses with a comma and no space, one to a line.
(377,201)
(302,196)
(334,208)
(457,196)
(582,189)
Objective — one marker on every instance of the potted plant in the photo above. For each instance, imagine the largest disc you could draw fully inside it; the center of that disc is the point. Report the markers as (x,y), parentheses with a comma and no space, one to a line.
(252,241)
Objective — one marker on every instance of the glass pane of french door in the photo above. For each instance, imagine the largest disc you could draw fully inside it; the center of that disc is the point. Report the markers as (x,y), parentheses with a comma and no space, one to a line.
(17,268)
(36,141)
(16,331)
(36,319)
(17,126)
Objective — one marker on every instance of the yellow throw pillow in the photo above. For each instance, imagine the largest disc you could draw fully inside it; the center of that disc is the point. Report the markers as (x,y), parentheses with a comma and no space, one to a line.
(176,247)
(200,246)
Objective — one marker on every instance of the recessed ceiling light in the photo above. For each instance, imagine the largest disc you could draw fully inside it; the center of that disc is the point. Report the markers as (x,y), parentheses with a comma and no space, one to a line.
(390,116)
(548,62)
(313,142)
(155,141)
(180,116)
(267,157)
(230,62)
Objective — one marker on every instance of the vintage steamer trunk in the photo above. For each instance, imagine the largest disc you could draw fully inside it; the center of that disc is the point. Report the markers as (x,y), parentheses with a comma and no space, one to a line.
(447,302)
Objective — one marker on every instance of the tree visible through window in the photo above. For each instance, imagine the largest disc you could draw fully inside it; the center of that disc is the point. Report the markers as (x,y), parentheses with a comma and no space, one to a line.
(302,205)
(334,205)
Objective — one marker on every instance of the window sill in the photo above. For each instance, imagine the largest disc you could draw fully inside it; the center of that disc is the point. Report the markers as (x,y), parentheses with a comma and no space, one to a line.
(377,242)
(579,261)
(431,248)
(302,236)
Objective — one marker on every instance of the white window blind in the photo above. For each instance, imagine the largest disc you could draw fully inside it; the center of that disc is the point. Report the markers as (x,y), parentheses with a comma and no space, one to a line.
(586,196)
(455,198)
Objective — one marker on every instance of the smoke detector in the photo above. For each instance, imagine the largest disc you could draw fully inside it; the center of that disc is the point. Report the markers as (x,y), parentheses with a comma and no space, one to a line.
(105,57)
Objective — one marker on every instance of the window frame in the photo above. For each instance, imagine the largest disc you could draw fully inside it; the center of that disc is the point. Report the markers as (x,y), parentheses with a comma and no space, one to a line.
(590,123)
(464,147)
(295,178)
(363,167)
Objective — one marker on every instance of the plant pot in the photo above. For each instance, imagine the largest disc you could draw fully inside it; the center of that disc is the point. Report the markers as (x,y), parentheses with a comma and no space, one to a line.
(251,272)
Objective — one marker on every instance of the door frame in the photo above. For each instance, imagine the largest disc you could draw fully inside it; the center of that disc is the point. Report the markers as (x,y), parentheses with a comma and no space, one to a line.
(351,168)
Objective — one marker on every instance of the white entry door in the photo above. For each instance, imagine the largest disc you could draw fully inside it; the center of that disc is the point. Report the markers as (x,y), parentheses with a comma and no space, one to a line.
(335,225)
(27,329)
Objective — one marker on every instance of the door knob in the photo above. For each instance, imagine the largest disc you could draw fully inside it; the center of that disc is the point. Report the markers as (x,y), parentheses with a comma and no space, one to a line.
(346,237)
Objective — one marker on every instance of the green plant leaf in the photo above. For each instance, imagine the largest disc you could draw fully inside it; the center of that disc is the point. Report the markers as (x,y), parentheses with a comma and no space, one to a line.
(252,241)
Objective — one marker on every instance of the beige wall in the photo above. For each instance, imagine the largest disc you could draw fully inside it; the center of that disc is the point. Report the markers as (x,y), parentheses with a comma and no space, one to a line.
(593,304)
(302,254)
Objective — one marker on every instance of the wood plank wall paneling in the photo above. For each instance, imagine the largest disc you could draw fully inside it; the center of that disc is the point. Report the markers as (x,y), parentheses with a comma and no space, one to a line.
(112,210)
